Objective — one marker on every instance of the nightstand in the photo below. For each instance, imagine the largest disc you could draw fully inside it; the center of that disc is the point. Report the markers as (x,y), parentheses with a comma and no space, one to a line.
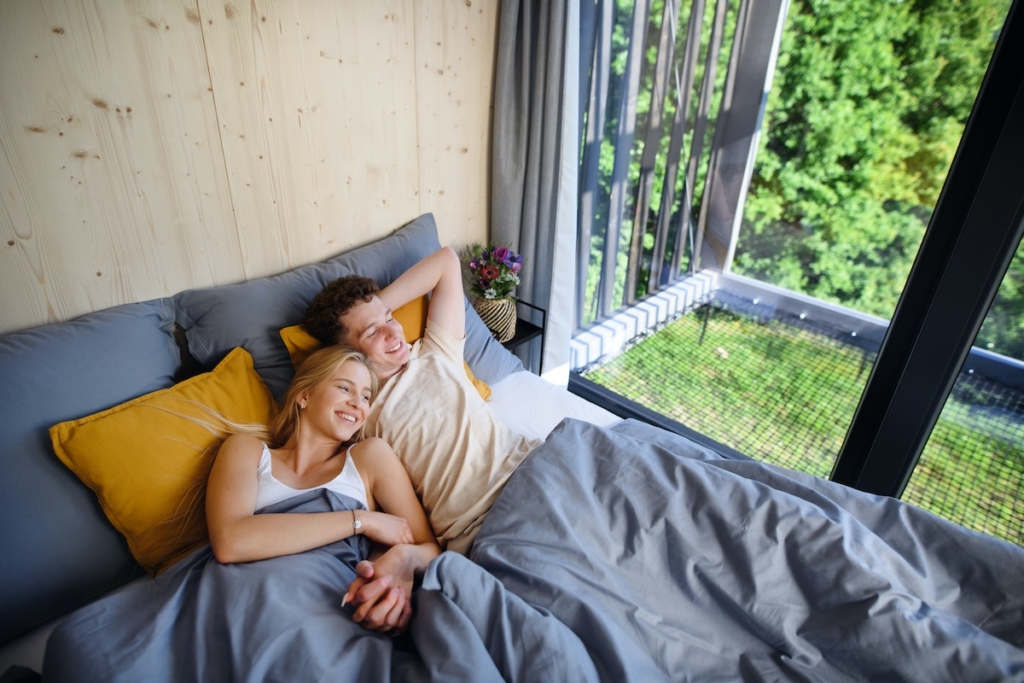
(526,330)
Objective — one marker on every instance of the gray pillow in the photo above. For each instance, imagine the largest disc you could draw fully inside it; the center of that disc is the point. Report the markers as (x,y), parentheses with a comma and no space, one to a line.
(489,360)
(59,549)
(252,314)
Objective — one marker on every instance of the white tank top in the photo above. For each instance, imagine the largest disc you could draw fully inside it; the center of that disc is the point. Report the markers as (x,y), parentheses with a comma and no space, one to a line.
(269,490)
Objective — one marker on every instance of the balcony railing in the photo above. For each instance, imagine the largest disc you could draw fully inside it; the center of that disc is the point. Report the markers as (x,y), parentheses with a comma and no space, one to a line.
(649,214)
(600,342)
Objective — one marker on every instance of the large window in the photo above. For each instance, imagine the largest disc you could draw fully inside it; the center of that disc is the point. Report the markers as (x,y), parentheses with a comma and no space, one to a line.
(867,107)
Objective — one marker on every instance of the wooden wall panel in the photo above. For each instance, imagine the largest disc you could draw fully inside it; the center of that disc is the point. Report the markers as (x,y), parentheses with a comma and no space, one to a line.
(318,111)
(148,146)
(455,92)
(112,171)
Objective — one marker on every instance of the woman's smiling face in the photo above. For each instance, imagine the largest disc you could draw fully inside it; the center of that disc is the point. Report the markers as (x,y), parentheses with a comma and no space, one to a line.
(340,406)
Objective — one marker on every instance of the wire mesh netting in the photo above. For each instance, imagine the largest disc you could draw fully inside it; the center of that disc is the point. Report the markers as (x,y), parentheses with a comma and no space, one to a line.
(784,391)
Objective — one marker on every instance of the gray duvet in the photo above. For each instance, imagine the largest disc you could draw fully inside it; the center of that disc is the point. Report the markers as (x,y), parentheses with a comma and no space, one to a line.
(626,554)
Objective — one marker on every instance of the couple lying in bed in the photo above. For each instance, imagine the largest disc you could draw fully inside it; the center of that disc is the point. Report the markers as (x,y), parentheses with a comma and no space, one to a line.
(425,406)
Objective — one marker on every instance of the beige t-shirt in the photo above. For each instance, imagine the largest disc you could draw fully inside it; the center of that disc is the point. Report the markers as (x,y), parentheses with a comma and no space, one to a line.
(456,451)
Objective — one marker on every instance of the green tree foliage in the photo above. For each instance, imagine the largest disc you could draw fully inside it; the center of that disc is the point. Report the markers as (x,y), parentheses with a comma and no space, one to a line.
(868,105)
(869,101)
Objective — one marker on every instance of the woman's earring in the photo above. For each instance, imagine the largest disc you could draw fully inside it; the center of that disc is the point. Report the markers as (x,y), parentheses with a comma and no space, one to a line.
(302,405)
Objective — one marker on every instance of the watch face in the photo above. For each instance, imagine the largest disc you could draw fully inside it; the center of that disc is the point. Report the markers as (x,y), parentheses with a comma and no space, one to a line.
(357,525)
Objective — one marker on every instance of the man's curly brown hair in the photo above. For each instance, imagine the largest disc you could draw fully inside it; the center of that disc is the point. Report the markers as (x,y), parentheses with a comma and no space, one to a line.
(323,316)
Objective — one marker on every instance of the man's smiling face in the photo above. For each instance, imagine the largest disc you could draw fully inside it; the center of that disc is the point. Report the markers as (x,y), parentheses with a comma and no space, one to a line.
(374,331)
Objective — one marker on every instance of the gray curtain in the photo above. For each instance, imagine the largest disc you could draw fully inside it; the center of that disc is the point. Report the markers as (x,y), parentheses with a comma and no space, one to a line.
(535,161)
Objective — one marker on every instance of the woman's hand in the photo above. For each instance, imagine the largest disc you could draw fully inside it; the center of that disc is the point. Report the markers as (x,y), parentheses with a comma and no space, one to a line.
(382,591)
(384,528)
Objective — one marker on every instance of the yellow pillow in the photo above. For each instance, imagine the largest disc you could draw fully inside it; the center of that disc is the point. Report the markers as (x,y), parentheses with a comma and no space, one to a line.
(147,460)
(413,317)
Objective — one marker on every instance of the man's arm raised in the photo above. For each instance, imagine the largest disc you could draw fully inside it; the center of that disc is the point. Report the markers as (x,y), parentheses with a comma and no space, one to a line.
(439,273)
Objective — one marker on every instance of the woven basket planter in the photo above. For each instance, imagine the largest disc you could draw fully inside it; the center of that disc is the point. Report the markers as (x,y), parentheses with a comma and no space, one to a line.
(499,315)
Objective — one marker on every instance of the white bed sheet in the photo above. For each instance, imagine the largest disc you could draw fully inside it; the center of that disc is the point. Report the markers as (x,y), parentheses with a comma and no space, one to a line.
(531,405)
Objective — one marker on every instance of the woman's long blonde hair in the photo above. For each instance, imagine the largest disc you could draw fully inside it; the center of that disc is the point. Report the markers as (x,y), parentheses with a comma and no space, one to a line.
(319,367)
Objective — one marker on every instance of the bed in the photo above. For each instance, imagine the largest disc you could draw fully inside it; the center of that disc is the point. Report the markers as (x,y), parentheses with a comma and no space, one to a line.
(617,551)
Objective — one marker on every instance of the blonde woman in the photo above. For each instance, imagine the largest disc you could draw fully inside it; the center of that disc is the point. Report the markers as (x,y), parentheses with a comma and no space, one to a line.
(315,443)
